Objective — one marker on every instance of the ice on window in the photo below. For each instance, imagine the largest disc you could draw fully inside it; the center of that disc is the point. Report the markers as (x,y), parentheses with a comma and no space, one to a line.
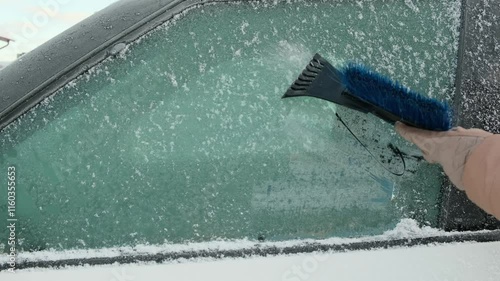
(184,137)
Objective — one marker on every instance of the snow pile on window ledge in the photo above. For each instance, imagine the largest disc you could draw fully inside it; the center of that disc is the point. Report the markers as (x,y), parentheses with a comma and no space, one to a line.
(406,229)
(409,228)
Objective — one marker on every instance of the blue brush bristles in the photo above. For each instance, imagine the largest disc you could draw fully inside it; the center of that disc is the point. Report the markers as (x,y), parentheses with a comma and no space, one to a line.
(410,106)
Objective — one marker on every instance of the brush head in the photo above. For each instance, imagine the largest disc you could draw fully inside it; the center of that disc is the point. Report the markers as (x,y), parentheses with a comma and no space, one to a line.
(359,88)
(382,92)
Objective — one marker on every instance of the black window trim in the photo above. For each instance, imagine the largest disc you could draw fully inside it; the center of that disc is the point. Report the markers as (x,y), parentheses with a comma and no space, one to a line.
(263,250)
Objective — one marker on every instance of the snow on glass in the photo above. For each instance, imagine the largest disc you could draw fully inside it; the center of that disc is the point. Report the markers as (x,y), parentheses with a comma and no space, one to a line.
(405,228)
(183,137)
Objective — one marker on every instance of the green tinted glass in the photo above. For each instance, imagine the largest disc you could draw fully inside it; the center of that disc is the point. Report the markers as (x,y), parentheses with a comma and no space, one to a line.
(185,138)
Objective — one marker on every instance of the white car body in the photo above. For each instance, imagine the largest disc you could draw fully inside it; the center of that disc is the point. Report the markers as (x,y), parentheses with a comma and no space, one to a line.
(458,261)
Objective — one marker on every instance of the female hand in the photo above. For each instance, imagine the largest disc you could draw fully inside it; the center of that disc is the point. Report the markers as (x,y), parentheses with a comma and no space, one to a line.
(450,149)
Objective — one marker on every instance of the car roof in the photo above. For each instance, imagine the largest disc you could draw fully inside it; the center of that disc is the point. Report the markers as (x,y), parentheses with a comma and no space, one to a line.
(39,73)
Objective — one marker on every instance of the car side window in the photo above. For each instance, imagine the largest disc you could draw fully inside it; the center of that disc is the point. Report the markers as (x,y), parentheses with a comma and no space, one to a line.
(184,136)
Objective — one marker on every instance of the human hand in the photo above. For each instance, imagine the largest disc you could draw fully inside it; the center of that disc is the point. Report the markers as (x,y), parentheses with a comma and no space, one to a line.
(450,149)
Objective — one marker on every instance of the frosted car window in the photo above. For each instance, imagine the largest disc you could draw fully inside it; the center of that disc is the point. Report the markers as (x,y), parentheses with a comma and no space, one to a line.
(184,137)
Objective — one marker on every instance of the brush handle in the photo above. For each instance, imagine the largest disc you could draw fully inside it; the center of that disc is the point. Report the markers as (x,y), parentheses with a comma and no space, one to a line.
(358,104)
